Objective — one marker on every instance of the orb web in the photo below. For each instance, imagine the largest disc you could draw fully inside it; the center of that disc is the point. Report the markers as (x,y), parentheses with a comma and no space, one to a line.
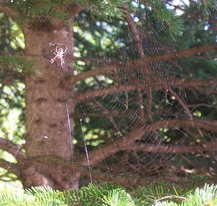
(128,98)
(133,94)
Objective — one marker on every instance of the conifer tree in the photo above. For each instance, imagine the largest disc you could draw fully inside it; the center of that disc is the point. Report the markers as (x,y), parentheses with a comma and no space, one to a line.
(47,67)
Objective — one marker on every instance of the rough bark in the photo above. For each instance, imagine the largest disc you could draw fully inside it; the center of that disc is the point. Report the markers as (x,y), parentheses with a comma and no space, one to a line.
(48,111)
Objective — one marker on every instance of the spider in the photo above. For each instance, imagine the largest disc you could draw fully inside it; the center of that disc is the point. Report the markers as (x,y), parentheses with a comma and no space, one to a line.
(59,54)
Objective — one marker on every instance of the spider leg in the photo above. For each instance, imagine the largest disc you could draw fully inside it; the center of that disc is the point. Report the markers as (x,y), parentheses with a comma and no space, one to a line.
(53,60)
(64,50)
(57,49)
(61,62)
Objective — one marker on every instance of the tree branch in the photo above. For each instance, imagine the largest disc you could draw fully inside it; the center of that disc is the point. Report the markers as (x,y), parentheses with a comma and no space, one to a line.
(149,104)
(181,102)
(74,9)
(10,167)
(138,44)
(185,107)
(12,149)
(107,114)
(135,35)
(156,84)
(177,149)
(127,142)
(141,62)
(9,11)
(116,146)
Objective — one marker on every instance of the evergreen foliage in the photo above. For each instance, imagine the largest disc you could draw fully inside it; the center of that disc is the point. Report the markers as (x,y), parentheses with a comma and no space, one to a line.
(102,195)
(24,64)
(108,195)
(45,10)
(166,20)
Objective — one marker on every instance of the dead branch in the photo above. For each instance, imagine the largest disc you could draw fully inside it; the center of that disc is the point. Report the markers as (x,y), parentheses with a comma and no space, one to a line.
(185,107)
(149,104)
(116,146)
(172,197)
(74,9)
(186,123)
(195,106)
(142,62)
(140,105)
(181,102)
(176,149)
(12,149)
(9,11)
(156,84)
(127,142)
(10,167)
(138,44)
(107,114)
(135,35)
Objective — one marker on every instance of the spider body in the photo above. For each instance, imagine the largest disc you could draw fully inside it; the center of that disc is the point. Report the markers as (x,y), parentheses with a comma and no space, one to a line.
(59,55)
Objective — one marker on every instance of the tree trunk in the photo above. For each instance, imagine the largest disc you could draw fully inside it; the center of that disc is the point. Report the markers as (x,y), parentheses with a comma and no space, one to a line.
(49,110)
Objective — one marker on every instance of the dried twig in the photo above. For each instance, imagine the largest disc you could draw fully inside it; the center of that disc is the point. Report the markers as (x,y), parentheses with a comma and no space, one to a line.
(169,197)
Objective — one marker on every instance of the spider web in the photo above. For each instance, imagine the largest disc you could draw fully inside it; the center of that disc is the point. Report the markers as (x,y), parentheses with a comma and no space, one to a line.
(110,115)
(118,113)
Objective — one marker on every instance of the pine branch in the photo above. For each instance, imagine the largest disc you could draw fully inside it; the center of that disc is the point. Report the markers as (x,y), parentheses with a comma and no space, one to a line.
(170,197)
(156,84)
(181,101)
(138,44)
(185,107)
(127,142)
(9,11)
(164,149)
(12,149)
(74,9)
(135,35)
(10,167)
(113,68)
(99,155)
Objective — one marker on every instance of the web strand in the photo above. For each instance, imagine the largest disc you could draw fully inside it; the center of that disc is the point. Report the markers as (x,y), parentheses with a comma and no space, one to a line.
(86,152)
